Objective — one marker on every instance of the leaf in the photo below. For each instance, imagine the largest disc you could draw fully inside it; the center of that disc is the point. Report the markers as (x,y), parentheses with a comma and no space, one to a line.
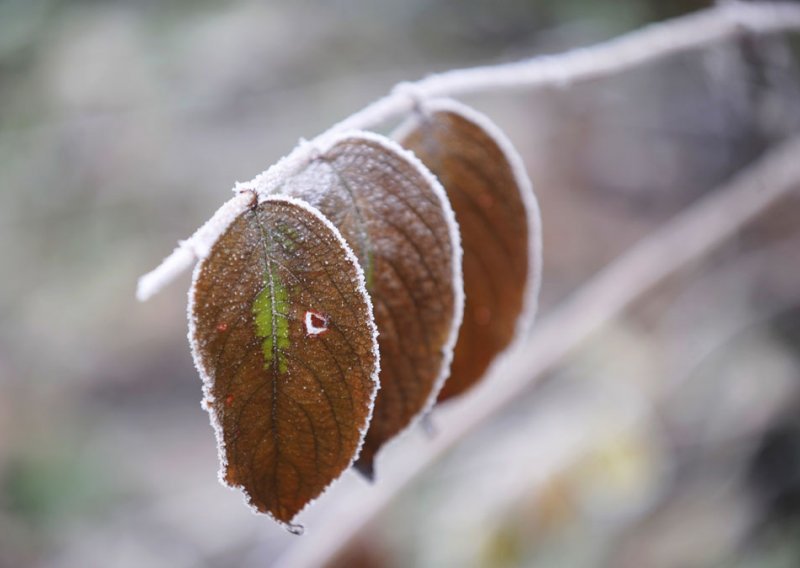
(282,333)
(395,215)
(500,230)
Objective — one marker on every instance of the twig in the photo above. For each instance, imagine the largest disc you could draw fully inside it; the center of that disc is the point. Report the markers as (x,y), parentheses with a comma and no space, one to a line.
(685,239)
(637,48)
(651,43)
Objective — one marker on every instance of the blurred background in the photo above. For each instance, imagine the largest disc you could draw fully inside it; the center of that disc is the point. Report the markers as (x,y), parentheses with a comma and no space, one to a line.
(672,438)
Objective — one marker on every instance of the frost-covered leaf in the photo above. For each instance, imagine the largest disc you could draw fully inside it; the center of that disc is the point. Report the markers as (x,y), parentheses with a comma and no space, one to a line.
(395,215)
(282,333)
(499,221)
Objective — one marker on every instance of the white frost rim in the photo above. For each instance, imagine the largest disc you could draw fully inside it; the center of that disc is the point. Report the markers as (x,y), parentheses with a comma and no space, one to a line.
(531,204)
(221,226)
(324,145)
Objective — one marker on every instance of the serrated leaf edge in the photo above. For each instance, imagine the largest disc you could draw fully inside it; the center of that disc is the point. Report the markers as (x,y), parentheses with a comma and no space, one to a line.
(454,232)
(534,279)
(208,383)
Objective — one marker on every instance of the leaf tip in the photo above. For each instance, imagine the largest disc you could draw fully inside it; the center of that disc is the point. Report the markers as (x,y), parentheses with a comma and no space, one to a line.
(366,467)
(295,529)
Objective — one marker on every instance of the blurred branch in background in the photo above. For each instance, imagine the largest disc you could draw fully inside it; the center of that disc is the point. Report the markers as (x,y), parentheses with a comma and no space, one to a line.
(687,238)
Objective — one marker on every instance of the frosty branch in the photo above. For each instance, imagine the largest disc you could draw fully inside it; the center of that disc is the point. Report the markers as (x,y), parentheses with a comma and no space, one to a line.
(725,21)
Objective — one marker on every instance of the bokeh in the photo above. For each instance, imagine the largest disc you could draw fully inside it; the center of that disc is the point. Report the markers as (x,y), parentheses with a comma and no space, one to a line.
(671,438)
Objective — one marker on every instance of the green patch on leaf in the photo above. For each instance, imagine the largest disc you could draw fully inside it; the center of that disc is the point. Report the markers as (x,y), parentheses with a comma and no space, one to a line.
(272,324)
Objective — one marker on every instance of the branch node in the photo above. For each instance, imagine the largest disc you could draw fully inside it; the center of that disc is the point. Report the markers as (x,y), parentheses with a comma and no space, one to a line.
(311,149)
(242,188)
(416,95)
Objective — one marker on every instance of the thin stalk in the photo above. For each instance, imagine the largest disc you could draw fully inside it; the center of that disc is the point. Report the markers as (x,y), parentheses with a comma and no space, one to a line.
(647,45)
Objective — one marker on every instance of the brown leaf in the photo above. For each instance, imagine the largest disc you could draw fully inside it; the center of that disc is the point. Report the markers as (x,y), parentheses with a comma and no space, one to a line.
(283,336)
(499,221)
(395,215)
